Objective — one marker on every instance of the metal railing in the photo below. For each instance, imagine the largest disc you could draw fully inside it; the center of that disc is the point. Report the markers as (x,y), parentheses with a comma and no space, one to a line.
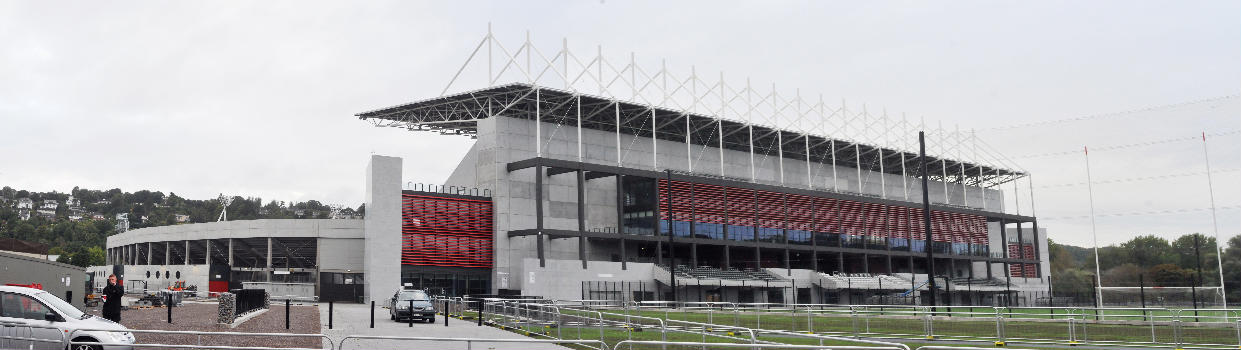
(469,342)
(30,337)
(998,325)
(69,339)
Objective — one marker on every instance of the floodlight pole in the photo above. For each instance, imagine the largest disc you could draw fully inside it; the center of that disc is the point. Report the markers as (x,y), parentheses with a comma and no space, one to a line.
(926,218)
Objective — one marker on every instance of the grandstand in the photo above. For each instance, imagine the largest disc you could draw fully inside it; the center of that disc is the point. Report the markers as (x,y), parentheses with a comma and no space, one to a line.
(638,183)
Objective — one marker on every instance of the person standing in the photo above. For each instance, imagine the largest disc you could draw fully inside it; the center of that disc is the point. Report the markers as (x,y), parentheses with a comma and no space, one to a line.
(112,294)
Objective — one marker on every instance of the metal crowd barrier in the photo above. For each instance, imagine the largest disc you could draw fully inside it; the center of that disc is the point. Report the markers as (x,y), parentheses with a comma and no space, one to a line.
(1034,325)
(30,338)
(73,335)
(469,342)
(736,345)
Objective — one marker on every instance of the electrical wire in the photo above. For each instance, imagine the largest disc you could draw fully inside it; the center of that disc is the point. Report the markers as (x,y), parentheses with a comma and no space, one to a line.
(1144,178)
(1114,114)
(1130,145)
(1152,212)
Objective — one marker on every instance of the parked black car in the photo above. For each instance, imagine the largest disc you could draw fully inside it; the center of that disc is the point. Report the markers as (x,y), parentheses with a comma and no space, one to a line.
(401,302)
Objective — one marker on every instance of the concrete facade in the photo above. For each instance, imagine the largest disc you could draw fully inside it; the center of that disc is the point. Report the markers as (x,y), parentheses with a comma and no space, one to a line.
(149,262)
(382,252)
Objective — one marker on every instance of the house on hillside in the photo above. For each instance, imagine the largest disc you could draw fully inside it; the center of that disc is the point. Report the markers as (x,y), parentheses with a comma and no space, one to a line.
(48,208)
(73,202)
(25,203)
(182,218)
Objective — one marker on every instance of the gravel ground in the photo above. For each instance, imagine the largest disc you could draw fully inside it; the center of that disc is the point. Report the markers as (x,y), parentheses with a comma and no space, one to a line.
(202,317)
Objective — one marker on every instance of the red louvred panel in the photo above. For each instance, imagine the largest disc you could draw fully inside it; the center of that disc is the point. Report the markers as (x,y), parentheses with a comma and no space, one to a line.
(770,209)
(446,231)
(744,207)
(825,219)
(1014,252)
(801,212)
(710,205)
(740,206)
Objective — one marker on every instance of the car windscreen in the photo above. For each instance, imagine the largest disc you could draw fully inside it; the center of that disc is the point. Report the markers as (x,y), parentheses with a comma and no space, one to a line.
(413,295)
(66,309)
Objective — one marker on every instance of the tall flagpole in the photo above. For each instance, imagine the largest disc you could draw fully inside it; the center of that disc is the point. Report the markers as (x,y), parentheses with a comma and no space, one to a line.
(1219,254)
(1094,234)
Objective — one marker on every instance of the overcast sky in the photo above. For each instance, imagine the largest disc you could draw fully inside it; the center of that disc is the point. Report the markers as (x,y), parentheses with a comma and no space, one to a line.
(257,98)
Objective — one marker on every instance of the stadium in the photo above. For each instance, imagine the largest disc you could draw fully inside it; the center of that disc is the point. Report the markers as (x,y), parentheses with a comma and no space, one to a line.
(586,196)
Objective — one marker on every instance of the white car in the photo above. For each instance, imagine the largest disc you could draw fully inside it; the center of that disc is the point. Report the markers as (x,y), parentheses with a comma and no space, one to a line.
(30,313)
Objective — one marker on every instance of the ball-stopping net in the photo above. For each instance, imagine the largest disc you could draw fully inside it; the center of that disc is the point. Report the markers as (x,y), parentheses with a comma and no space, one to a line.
(1170,297)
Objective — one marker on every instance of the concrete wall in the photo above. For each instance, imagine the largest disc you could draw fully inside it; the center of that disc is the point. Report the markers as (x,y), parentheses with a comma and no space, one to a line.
(242,229)
(562,279)
(382,231)
(56,278)
(193,275)
(341,255)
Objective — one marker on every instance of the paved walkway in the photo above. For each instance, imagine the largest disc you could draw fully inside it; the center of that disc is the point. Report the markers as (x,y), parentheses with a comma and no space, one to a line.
(354,319)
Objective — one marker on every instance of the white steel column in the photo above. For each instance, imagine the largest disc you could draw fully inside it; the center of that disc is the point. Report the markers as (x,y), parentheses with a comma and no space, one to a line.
(943,173)
(654,141)
(538,123)
(809,176)
(689,147)
(779,134)
(719,121)
(780,149)
(883,179)
(835,184)
(965,195)
(579,127)
(749,120)
(616,108)
(857,153)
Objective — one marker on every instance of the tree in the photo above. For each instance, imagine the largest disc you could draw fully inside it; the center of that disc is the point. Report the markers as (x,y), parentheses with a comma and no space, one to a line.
(1185,257)
(1125,275)
(1232,270)
(1169,275)
(1147,251)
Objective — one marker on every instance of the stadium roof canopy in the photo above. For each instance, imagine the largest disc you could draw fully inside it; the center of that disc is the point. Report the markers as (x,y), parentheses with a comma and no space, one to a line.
(458,114)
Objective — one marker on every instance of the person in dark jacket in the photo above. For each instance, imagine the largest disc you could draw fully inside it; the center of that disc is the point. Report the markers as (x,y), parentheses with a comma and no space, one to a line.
(112,300)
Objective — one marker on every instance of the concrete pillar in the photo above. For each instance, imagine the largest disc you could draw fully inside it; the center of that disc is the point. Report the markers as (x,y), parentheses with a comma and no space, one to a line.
(230,252)
(187,254)
(208,251)
(269,268)
(581,216)
(382,228)
(538,213)
(168,253)
(150,251)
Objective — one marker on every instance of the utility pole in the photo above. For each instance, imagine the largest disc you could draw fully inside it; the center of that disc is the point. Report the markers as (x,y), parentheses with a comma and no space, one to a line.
(926,218)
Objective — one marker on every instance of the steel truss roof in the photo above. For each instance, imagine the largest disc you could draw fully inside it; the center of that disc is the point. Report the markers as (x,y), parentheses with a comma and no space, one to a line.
(458,114)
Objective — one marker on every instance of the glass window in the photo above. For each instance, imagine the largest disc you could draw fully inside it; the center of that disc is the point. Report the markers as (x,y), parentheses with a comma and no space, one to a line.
(415,295)
(801,237)
(66,309)
(899,244)
(740,233)
(824,239)
(21,306)
(917,245)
